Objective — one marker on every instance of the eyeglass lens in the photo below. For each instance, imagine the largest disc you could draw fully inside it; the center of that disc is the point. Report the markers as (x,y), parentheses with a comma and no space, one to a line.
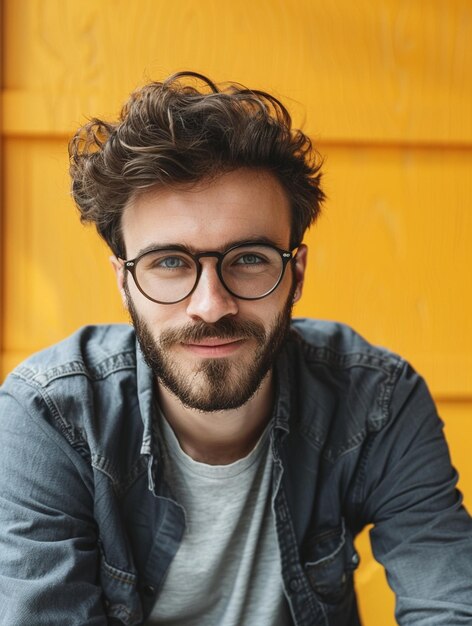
(246,271)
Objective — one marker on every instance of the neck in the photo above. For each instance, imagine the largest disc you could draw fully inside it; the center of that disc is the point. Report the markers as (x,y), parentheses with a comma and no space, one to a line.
(219,437)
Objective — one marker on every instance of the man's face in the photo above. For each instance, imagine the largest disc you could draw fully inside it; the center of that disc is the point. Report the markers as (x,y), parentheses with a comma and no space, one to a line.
(212,350)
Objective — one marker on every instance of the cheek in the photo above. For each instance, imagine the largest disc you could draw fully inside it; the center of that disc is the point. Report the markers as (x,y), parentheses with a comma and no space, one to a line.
(149,313)
(265,311)
(286,290)
(158,318)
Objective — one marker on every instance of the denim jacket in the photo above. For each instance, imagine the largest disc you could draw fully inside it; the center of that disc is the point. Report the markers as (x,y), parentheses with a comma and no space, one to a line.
(88,526)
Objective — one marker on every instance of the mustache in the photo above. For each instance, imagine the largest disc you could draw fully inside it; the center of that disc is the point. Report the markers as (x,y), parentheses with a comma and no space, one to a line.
(224,328)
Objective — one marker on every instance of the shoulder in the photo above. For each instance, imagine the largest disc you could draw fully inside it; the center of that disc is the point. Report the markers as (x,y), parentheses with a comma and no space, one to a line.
(344,385)
(338,343)
(92,351)
(84,387)
(70,381)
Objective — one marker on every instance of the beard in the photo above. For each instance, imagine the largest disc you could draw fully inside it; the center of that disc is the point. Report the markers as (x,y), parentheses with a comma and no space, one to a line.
(215,384)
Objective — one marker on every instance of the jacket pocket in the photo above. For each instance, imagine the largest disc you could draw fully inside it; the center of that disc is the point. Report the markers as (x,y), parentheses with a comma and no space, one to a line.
(121,599)
(330,560)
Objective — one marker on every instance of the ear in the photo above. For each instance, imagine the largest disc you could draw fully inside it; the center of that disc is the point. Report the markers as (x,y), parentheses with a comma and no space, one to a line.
(300,267)
(119,269)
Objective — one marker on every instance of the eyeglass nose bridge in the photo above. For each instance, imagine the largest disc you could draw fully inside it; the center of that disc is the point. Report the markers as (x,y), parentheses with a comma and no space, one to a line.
(219,256)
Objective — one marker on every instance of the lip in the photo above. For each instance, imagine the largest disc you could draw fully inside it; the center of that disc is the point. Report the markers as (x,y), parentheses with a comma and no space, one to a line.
(214,347)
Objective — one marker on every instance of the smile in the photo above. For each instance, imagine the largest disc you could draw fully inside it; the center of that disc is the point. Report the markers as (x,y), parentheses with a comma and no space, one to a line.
(214,347)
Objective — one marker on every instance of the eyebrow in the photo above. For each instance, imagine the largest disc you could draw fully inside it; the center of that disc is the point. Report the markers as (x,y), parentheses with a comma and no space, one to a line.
(192,250)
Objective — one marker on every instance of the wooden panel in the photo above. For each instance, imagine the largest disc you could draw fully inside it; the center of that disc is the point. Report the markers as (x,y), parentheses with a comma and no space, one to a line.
(392,256)
(375,598)
(56,272)
(393,70)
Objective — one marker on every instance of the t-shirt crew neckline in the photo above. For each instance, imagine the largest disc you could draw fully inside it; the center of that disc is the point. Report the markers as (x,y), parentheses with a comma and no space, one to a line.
(204,469)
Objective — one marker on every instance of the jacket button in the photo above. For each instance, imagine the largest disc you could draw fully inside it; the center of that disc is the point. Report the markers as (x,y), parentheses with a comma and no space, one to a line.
(294,584)
(355,559)
(149,590)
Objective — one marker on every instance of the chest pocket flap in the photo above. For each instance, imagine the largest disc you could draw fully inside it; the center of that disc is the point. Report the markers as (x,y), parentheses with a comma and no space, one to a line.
(329,561)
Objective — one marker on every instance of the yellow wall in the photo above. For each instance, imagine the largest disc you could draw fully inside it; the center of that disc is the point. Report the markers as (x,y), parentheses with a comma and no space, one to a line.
(384,88)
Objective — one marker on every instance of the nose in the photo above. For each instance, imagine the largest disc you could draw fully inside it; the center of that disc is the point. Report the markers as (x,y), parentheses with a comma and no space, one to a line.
(211,301)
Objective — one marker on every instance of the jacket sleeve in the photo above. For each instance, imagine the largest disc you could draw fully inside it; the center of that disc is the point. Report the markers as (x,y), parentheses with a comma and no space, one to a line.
(48,540)
(422,533)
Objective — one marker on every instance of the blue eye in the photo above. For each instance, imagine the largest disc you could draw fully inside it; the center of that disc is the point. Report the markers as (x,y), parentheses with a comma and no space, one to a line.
(171,263)
(249,259)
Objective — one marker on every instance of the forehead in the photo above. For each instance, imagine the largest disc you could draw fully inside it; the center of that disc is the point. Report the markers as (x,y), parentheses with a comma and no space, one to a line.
(211,214)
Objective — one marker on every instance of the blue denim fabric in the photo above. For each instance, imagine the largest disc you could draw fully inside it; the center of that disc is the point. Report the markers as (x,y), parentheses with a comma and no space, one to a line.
(88,526)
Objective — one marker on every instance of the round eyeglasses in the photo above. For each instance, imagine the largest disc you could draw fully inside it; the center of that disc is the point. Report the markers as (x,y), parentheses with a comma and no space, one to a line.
(248,271)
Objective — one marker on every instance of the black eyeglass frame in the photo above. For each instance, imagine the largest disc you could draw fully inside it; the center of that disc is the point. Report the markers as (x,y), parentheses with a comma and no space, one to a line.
(286,256)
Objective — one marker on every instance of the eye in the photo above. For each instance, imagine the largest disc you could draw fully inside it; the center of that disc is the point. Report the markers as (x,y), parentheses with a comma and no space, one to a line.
(249,259)
(171,263)
(165,261)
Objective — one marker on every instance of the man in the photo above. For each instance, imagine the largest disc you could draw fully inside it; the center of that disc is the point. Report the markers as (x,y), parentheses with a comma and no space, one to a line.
(217,470)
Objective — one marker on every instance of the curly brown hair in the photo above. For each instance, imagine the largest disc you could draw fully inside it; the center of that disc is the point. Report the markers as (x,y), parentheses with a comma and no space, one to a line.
(183,130)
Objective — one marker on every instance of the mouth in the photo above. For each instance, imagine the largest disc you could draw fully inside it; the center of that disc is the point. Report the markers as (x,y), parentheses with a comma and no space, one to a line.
(214,347)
